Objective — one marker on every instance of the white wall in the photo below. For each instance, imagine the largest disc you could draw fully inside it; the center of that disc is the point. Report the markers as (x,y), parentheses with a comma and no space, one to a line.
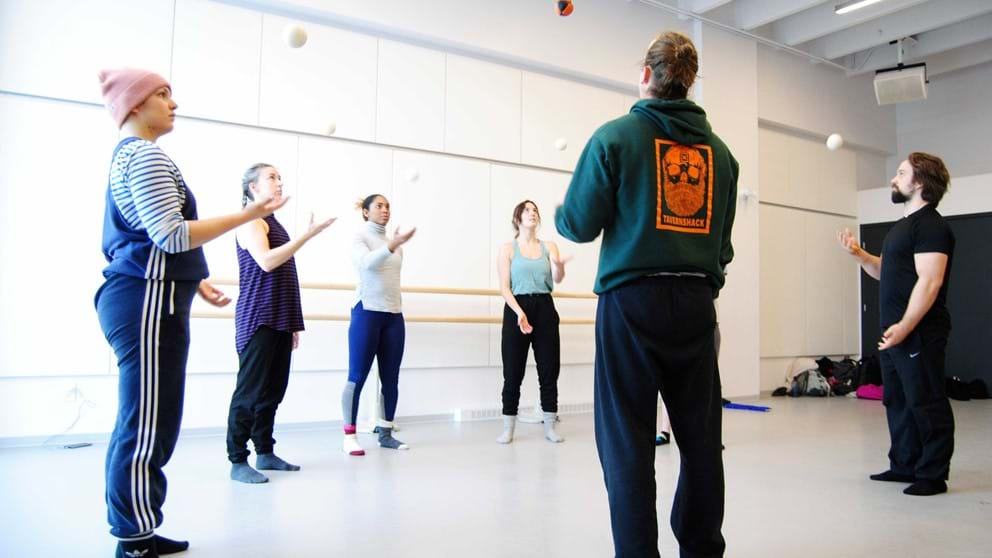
(811,98)
(254,99)
(809,289)
(966,195)
(952,123)
(602,41)
(511,69)
(729,92)
(809,303)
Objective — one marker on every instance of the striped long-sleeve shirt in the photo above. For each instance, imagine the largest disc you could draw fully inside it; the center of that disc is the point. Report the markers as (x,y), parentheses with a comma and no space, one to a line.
(145,231)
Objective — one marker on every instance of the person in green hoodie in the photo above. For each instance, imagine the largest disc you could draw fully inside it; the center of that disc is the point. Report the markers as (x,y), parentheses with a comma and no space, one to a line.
(662,189)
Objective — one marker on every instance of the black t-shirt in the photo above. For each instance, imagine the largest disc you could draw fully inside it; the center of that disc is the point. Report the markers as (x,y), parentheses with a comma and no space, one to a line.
(920,232)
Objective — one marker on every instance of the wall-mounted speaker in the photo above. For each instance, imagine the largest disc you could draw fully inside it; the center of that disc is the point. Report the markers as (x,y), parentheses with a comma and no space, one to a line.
(901,84)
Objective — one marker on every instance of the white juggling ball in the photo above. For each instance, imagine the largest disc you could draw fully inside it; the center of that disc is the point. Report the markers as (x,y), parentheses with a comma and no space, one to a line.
(294,35)
(834,142)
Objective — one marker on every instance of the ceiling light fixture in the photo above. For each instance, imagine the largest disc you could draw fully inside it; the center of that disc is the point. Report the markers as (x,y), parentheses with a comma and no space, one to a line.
(847,7)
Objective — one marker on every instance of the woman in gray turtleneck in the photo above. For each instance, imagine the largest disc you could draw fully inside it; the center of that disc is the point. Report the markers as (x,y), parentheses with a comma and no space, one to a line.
(377,328)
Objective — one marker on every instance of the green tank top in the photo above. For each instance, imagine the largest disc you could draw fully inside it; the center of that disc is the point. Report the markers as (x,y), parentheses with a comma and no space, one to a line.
(530,275)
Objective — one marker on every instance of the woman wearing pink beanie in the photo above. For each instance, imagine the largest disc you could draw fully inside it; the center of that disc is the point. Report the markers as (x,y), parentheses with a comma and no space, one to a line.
(152,240)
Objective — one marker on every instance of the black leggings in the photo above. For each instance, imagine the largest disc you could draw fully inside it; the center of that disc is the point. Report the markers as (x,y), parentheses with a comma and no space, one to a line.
(541,313)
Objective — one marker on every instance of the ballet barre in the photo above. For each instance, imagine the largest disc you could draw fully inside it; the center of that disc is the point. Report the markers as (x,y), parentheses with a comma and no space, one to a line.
(415,290)
(409,319)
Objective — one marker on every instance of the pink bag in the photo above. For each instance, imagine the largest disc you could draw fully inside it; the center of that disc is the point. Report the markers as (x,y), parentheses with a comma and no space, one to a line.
(869,391)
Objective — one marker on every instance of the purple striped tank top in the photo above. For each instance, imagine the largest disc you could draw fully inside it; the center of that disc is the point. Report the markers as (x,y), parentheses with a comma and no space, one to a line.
(270,299)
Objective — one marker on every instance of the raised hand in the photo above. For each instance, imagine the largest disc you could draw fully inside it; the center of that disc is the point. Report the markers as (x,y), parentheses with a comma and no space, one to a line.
(314,228)
(401,238)
(848,242)
(561,260)
(263,206)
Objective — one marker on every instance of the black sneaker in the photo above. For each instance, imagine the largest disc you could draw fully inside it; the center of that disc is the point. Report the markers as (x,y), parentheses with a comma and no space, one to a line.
(890,476)
(926,487)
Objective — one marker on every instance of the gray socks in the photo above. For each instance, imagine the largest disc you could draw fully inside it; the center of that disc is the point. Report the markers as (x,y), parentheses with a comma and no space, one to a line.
(242,472)
(549,428)
(386,439)
(509,424)
(272,462)
(347,402)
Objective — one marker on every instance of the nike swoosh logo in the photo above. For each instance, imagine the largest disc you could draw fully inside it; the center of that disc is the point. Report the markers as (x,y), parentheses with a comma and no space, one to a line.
(914,355)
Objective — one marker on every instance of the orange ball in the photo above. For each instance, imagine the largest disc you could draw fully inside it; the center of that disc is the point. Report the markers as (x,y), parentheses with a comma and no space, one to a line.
(564,7)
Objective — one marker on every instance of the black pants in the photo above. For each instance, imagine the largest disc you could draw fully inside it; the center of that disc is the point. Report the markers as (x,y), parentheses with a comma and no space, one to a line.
(656,335)
(541,313)
(921,424)
(262,382)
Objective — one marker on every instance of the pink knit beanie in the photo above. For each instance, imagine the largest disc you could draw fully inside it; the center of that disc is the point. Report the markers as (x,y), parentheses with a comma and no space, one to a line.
(126,88)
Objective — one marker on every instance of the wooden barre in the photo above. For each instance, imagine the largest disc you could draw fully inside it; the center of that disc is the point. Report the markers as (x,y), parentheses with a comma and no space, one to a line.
(419,319)
(418,290)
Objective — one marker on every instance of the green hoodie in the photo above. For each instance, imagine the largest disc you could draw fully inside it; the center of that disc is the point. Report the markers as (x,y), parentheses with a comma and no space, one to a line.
(662,187)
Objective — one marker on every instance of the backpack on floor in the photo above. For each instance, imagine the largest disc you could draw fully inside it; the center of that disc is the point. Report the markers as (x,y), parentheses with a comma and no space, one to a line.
(809,383)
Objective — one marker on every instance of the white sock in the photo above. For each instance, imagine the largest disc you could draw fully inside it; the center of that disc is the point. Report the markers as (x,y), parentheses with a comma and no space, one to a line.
(509,424)
(351,446)
(549,428)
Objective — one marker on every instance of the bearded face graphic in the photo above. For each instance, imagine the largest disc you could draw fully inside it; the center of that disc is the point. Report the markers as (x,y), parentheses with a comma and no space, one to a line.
(685,180)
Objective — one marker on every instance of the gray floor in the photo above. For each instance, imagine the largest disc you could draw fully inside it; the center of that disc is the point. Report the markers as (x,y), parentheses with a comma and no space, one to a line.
(796,486)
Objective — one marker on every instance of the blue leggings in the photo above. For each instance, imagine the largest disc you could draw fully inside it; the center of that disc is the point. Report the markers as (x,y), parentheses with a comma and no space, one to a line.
(378,335)
(147,324)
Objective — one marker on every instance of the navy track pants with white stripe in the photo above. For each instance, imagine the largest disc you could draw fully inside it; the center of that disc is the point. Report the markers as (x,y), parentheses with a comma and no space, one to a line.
(146,322)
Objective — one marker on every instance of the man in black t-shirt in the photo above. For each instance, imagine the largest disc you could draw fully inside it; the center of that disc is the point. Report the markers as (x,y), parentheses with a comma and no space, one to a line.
(913,271)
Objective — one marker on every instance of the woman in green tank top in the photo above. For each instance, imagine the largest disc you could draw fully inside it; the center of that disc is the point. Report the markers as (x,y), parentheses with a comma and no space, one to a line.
(528,268)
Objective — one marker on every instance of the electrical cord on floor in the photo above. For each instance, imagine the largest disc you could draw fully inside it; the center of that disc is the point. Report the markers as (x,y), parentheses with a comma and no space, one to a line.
(76,394)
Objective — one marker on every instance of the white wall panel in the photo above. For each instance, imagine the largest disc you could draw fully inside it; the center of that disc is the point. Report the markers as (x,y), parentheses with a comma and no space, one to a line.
(448,204)
(555,109)
(211,342)
(410,96)
(434,345)
(331,80)
(53,184)
(801,172)
(804,169)
(482,109)
(796,94)
(783,318)
(324,344)
(824,274)
(773,172)
(333,176)
(838,181)
(215,61)
(55,48)
(809,296)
